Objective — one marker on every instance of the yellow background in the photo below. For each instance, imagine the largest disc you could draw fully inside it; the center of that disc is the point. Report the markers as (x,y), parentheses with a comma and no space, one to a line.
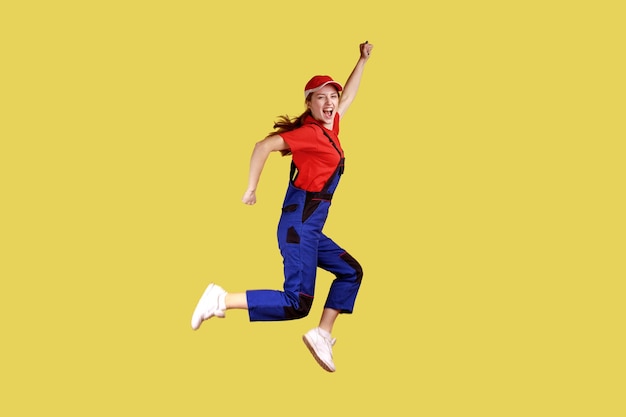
(483,196)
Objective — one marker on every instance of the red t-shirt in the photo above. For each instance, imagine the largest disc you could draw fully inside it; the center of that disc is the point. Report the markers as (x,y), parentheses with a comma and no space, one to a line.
(314,155)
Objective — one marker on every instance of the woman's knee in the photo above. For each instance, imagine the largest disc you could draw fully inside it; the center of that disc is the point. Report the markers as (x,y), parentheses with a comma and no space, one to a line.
(300,308)
(354,264)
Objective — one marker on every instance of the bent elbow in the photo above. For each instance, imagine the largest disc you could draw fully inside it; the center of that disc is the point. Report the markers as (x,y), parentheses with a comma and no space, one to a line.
(261,148)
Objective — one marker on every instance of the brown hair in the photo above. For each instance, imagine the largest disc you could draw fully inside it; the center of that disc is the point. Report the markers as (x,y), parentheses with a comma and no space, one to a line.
(286,123)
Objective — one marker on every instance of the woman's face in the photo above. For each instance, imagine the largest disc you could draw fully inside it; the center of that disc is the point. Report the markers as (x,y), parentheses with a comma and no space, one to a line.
(323,104)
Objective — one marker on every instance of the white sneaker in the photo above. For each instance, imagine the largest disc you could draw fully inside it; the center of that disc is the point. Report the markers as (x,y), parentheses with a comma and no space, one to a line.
(208,306)
(321,347)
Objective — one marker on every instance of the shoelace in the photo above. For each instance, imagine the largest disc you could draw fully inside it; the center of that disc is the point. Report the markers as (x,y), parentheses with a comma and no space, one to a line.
(329,343)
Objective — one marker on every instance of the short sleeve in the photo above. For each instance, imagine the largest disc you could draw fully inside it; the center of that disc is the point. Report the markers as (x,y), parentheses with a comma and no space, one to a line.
(301,139)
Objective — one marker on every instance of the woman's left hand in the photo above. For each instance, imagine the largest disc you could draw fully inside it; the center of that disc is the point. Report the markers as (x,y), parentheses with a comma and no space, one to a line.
(366,49)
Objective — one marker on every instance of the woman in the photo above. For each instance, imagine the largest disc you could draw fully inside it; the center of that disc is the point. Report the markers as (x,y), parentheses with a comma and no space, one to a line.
(317,164)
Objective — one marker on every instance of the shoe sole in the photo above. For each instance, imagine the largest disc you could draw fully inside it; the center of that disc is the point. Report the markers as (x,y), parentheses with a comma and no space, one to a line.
(317,358)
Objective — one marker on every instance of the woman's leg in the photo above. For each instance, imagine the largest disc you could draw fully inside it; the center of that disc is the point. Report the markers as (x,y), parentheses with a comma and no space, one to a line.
(327,321)
(237,300)
(348,275)
(341,297)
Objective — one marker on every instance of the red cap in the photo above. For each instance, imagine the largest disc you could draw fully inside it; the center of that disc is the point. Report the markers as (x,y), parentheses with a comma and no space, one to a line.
(318,82)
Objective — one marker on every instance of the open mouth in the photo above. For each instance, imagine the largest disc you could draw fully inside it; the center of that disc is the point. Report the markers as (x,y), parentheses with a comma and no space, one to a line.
(328,113)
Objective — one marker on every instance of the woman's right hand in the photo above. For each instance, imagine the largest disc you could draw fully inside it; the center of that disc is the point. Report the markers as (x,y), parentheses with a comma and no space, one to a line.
(249,197)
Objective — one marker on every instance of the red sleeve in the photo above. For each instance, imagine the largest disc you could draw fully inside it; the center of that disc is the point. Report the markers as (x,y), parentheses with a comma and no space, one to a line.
(300,139)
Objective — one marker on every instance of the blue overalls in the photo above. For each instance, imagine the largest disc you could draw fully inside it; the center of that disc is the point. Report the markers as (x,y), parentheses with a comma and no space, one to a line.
(305,248)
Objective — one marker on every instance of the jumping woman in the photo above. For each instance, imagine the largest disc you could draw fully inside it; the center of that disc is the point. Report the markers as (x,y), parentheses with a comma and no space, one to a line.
(317,165)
